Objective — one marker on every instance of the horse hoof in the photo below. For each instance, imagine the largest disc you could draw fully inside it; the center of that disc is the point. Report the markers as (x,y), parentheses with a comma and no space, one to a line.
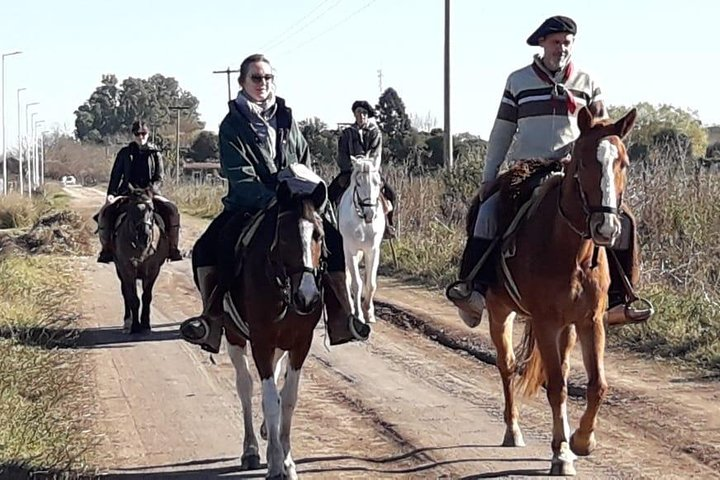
(135,329)
(582,449)
(562,468)
(250,462)
(513,438)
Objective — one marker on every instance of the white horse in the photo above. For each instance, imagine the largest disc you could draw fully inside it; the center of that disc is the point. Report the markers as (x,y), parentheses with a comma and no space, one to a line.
(361,221)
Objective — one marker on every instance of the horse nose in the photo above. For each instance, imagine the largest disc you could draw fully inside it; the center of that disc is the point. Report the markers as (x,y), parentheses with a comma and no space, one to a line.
(307,295)
(607,230)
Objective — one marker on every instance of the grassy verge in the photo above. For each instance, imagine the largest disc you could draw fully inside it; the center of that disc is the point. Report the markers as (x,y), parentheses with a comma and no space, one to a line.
(45,392)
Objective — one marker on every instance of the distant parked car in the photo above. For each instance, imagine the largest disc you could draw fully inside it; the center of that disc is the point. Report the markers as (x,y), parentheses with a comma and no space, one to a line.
(68,181)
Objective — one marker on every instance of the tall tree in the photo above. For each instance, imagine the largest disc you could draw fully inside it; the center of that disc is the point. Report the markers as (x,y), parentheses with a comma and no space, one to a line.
(321,141)
(108,114)
(392,117)
(204,147)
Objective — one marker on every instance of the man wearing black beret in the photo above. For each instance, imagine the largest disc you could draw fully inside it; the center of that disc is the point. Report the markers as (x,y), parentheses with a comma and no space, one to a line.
(537,118)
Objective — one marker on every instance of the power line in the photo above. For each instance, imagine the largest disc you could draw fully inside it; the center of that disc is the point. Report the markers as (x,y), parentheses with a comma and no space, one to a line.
(330,29)
(294,24)
(299,27)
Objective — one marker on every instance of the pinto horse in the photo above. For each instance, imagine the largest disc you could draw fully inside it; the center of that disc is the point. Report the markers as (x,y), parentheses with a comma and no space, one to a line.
(560,269)
(141,248)
(278,297)
(361,221)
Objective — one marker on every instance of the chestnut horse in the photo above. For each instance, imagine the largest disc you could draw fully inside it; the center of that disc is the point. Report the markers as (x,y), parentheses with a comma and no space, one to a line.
(560,270)
(278,298)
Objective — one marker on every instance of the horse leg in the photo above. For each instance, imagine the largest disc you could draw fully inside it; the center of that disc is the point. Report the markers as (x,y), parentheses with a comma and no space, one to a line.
(244,384)
(501,332)
(132,305)
(547,337)
(352,262)
(148,285)
(592,339)
(372,261)
(278,363)
(289,398)
(264,357)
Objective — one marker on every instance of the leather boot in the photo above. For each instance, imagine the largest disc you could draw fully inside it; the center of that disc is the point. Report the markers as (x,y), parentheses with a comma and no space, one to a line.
(206,330)
(342,325)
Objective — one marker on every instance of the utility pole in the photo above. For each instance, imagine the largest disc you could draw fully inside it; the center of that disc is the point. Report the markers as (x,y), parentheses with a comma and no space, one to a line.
(177,109)
(36,149)
(27,143)
(448,150)
(227,71)
(20,148)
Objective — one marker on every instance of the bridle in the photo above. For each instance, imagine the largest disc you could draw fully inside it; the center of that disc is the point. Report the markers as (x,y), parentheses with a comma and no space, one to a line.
(588,210)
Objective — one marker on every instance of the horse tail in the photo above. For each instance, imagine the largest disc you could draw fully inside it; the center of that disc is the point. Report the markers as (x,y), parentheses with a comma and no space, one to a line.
(530,365)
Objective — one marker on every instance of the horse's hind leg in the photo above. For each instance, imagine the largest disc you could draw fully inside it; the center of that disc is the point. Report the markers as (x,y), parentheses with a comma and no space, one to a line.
(148,285)
(592,338)
(244,385)
(501,331)
(352,262)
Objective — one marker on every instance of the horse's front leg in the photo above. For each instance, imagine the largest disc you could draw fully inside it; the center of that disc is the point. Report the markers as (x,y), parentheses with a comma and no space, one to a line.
(352,266)
(372,261)
(263,356)
(547,336)
(238,349)
(148,285)
(592,339)
(132,305)
(289,401)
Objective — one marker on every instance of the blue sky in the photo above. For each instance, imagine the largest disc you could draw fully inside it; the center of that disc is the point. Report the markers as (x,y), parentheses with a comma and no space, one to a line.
(326,53)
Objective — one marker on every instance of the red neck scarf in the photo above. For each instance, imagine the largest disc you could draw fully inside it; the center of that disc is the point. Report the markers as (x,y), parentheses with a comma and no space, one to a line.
(559,89)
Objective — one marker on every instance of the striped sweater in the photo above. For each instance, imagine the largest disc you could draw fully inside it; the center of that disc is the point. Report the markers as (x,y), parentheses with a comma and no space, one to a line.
(535,118)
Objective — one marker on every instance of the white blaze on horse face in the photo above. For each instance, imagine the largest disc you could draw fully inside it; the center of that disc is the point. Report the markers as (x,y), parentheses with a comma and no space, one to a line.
(606,155)
(307,286)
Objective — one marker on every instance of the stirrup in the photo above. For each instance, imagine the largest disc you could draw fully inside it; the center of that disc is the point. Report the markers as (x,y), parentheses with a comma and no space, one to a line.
(630,314)
(201,341)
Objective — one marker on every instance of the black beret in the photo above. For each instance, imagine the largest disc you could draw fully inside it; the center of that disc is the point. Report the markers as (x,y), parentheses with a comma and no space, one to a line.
(363,104)
(556,24)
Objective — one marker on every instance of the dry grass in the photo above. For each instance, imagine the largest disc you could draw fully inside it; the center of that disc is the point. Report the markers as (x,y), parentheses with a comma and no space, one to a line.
(45,395)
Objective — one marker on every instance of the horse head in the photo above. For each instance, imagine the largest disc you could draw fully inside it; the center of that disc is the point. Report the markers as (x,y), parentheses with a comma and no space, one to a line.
(297,247)
(599,166)
(365,184)
(140,215)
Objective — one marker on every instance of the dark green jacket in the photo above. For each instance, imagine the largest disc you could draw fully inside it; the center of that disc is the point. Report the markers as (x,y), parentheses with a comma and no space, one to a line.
(251,175)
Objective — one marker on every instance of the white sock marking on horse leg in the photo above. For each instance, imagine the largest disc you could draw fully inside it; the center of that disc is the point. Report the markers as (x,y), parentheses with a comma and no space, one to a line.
(271,412)
(244,385)
(289,401)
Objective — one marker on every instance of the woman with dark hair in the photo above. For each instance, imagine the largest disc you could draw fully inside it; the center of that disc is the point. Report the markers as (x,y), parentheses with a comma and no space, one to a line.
(258,138)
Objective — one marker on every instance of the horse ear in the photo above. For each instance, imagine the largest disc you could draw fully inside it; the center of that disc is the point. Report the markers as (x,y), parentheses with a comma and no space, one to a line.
(626,123)
(585,120)
(319,196)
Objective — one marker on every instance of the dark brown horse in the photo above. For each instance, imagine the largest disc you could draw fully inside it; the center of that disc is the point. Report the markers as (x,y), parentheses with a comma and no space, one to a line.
(277,301)
(140,251)
(560,270)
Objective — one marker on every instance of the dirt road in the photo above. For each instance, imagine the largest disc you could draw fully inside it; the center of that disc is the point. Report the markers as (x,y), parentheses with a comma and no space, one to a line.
(419,400)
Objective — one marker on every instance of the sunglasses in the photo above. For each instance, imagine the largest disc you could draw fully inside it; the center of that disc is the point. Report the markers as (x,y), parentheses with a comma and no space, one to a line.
(141,134)
(259,78)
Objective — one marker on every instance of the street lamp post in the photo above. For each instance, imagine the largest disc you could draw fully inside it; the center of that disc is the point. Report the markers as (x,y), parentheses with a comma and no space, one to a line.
(2,118)
(20,148)
(27,152)
(36,165)
(31,152)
